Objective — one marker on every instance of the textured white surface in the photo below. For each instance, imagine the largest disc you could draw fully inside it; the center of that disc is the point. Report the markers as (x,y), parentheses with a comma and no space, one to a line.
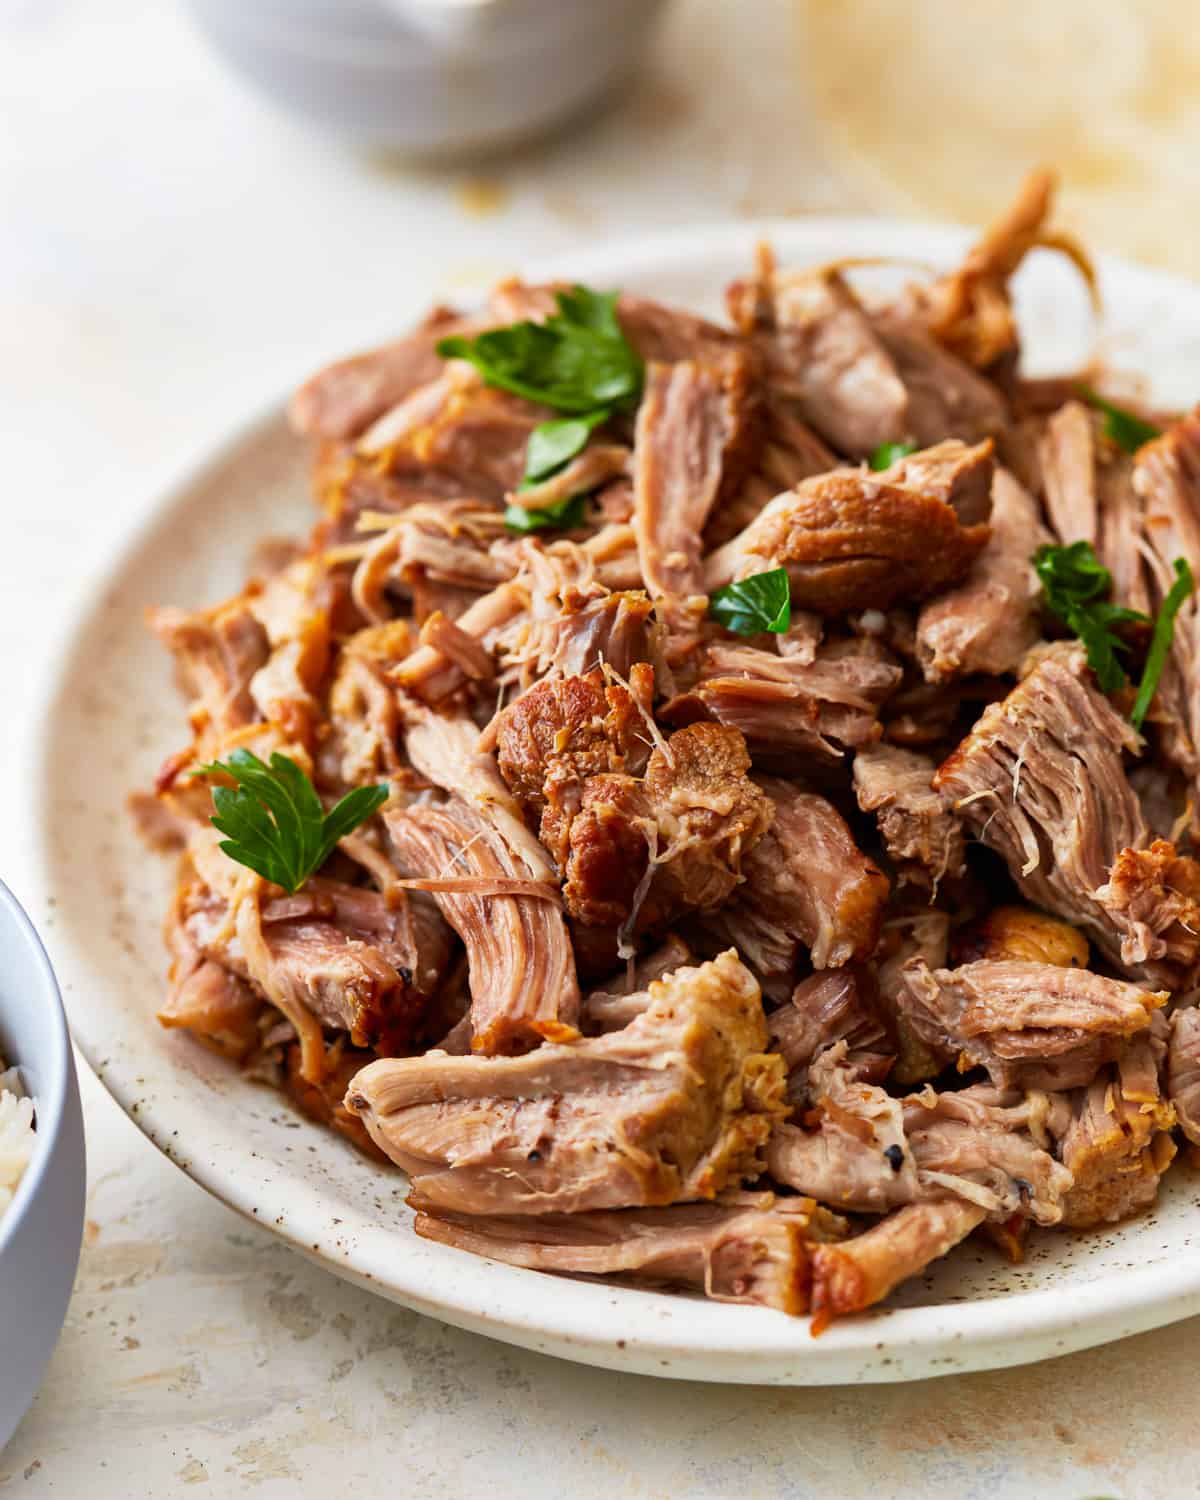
(164,243)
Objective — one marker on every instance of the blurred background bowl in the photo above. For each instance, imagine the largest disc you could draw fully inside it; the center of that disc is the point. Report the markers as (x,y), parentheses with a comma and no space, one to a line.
(40,1232)
(431,77)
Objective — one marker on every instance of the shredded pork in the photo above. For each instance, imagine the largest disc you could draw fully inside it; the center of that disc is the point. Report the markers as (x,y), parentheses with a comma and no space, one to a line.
(681,933)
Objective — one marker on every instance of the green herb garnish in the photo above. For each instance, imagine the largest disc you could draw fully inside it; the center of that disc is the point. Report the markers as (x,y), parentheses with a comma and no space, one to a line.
(1126,430)
(761,602)
(563,514)
(1075,584)
(888,454)
(552,445)
(578,361)
(274,822)
(1164,632)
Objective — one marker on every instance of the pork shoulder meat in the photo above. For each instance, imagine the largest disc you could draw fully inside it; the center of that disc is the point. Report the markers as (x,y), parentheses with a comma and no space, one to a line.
(807,885)
(1183,1071)
(1117,1144)
(676,1106)
(849,1277)
(747,1247)
(990,620)
(1031,1025)
(1166,479)
(919,832)
(854,539)
(494,884)
(636,854)
(696,429)
(1041,780)
(786,706)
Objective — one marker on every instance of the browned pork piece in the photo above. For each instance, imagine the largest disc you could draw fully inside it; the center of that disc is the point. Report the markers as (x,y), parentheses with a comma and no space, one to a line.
(1166,478)
(639,853)
(459,429)
(341,400)
(786,705)
(1183,1071)
(1040,779)
(852,1147)
(991,619)
(919,831)
(696,427)
(333,955)
(494,884)
(677,1106)
(923,932)
(1022,933)
(1117,1143)
(612,1006)
(217,652)
(807,884)
(823,356)
(565,730)
(749,1248)
(448,541)
(945,397)
(789,452)
(1031,1025)
(861,1271)
(969,310)
(1089,493)
(862,1150)
(556,615)
(833,1005)
(854,539)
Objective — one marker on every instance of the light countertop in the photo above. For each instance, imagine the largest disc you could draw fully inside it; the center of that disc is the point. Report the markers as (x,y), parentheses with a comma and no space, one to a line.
(172,254)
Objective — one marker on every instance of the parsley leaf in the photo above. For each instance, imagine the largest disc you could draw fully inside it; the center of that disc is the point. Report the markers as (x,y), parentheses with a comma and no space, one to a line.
(1126,430)
(1164,632)
(577,361)
(552,445)
(274,822)
(761,602)
(888,454)
(1074,583)
(565,514)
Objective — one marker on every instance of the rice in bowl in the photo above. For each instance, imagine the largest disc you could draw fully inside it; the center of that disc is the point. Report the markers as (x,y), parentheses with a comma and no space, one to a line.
(17,1137)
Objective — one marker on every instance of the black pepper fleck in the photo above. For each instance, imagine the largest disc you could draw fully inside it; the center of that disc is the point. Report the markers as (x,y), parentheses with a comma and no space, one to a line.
(895,1156)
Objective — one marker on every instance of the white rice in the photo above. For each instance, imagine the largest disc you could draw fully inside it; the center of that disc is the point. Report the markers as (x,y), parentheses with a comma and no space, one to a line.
(17,1138)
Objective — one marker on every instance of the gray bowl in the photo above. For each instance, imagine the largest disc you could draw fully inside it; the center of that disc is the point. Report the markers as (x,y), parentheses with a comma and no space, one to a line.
(381,74)
(41,1231)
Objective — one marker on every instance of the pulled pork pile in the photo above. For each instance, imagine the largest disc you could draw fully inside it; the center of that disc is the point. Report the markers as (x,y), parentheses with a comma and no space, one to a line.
(769,954)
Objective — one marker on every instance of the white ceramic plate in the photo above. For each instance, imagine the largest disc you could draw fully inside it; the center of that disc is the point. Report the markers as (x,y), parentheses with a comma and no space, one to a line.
(112,715)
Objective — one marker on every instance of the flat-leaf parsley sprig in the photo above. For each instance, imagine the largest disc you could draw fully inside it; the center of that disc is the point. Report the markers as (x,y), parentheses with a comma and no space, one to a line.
(273,821)
(579,362)
(1160,645)
(1126,430)
(761,602)
(1076,585)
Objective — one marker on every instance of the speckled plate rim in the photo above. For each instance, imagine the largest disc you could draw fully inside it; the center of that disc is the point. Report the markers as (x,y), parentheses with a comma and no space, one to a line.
(595,1322)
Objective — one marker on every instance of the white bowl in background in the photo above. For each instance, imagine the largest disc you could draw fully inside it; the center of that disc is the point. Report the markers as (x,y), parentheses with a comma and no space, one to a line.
(41,1230)
(431,76)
